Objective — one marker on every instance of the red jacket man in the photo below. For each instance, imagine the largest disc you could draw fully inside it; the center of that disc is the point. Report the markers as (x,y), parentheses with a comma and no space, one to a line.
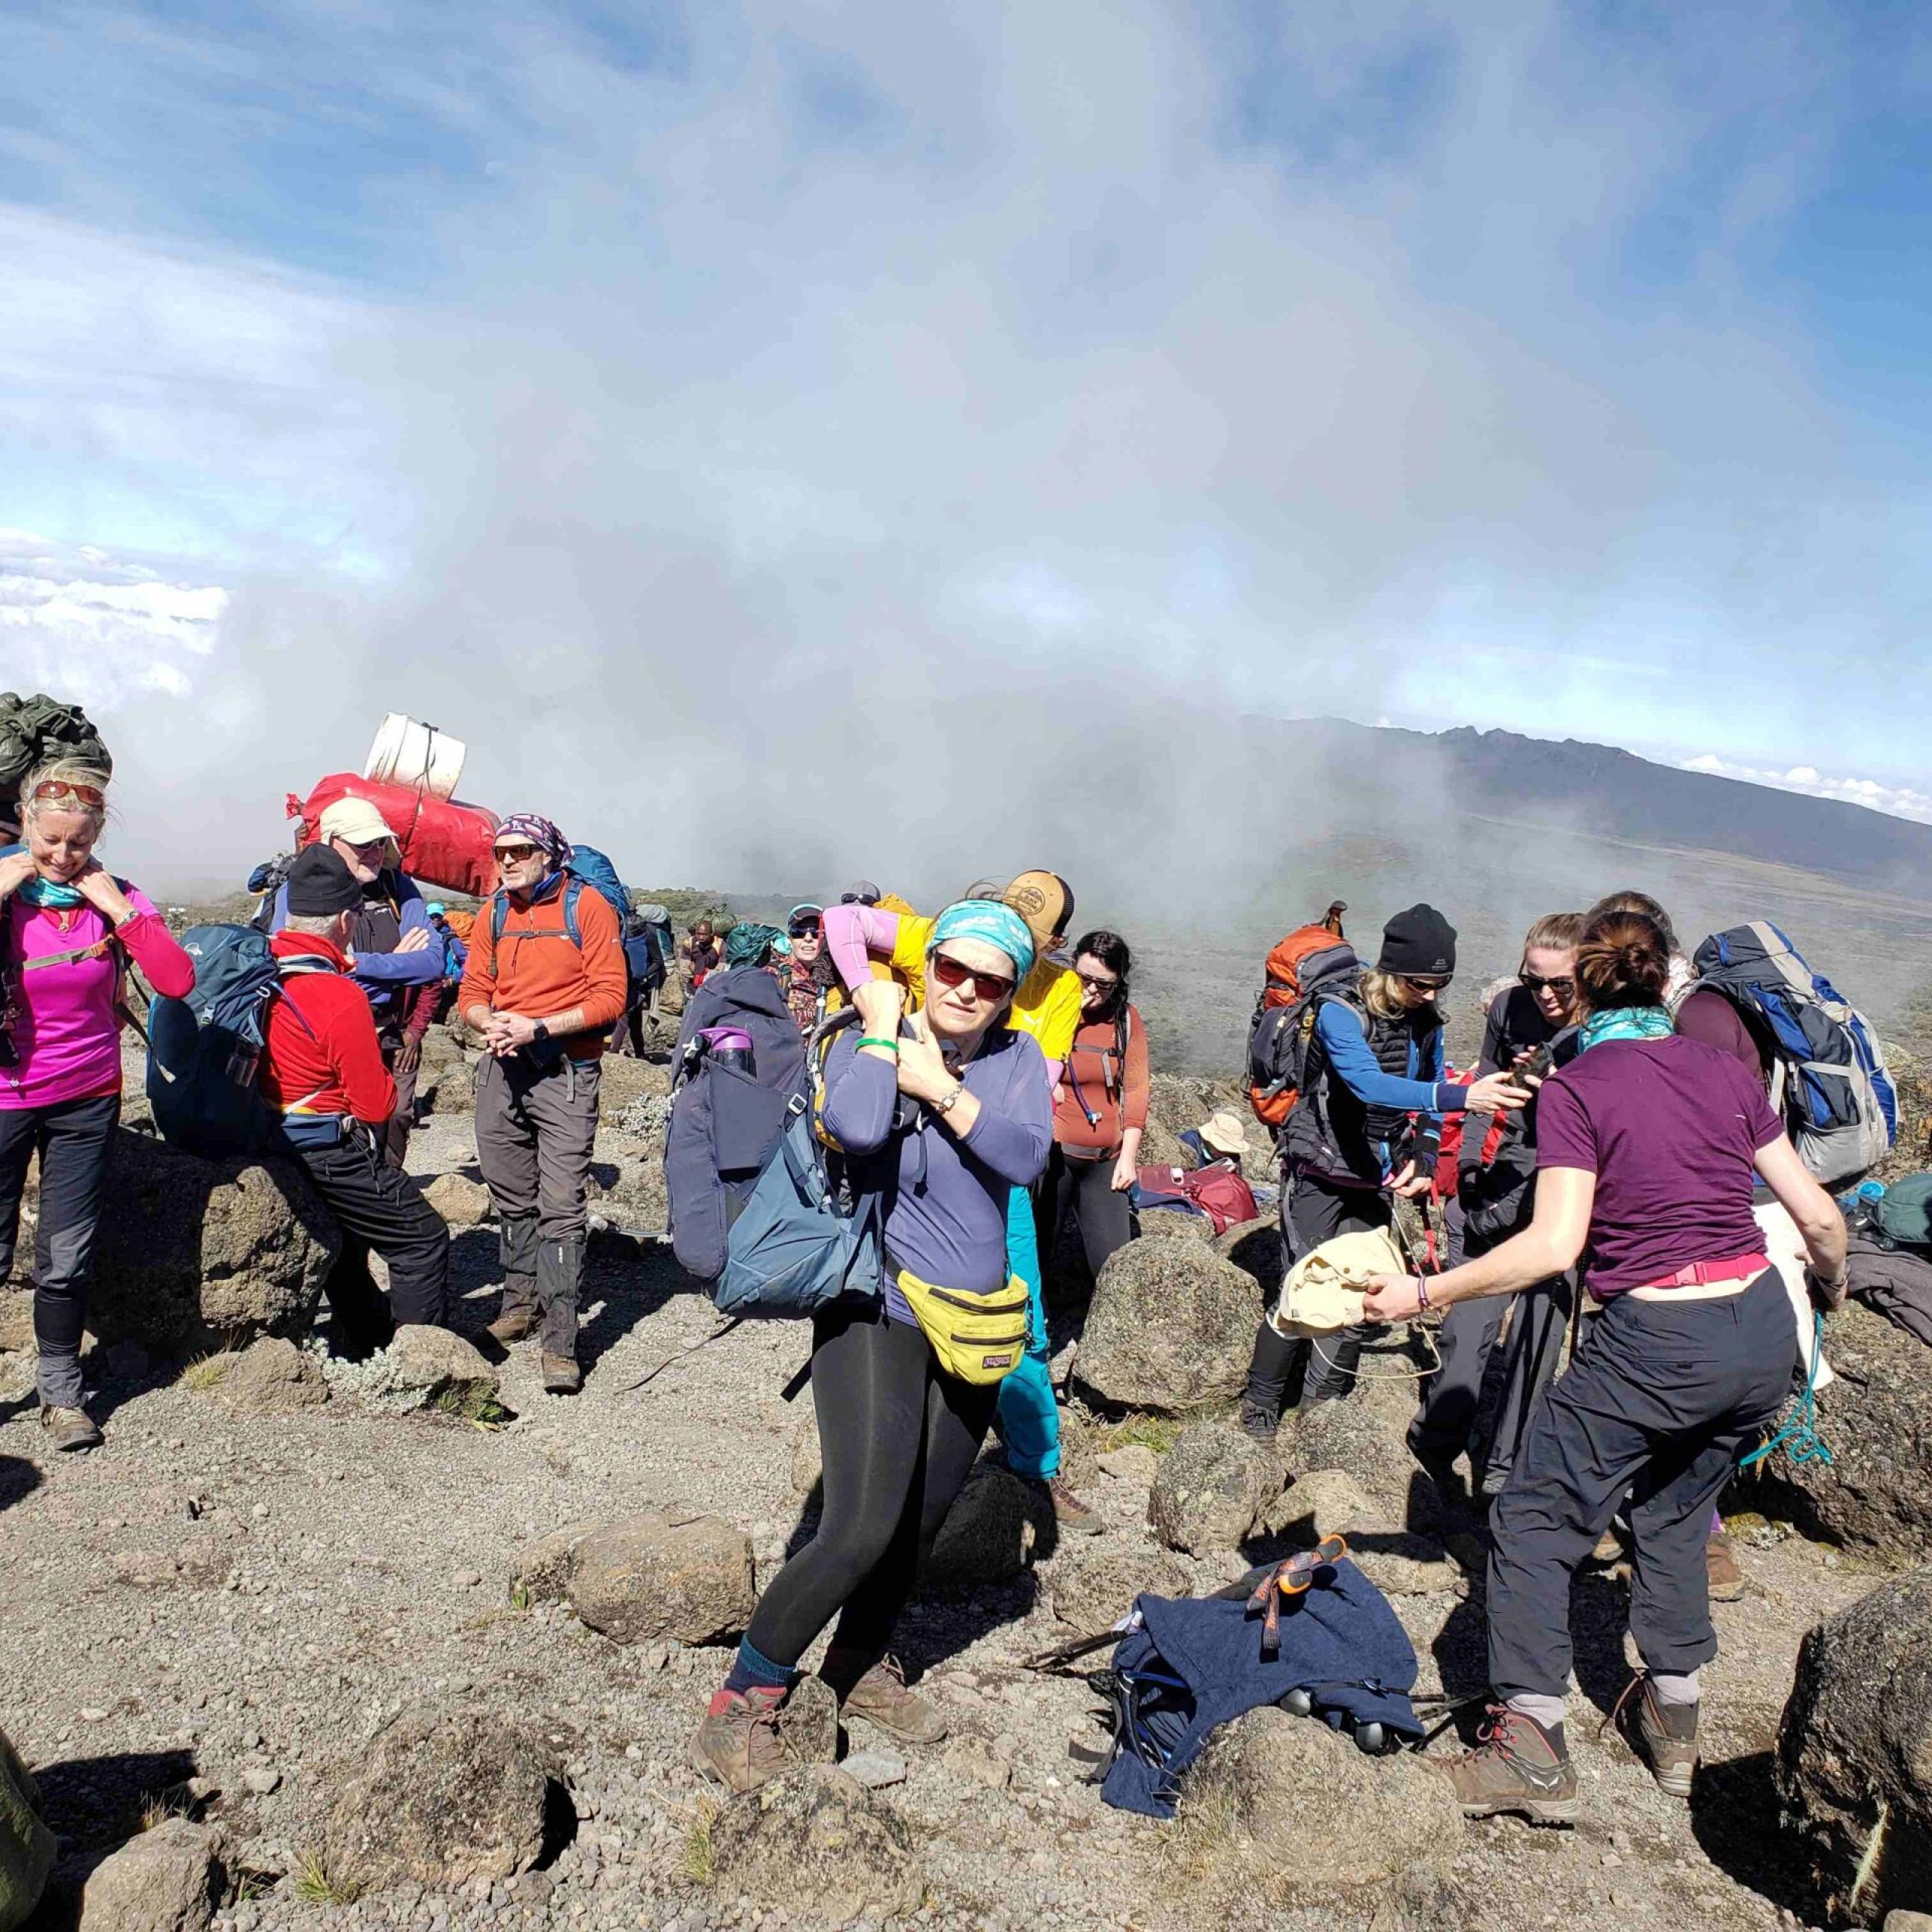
(322,1071)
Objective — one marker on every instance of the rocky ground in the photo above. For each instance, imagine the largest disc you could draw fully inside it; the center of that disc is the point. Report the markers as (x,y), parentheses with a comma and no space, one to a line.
(294,1618)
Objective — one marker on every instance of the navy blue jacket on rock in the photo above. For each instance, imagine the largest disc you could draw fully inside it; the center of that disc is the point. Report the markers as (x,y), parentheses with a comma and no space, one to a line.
(1340,1642)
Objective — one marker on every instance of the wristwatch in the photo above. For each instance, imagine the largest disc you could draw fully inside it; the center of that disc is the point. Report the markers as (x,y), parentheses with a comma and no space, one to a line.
(952,1100)
(539,1031)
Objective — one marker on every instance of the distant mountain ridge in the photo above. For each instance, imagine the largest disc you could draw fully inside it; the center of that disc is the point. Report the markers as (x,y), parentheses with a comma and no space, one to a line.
(1577,786)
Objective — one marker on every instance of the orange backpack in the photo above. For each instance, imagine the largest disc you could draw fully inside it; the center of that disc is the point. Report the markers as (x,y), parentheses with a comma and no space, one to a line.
(1308,957)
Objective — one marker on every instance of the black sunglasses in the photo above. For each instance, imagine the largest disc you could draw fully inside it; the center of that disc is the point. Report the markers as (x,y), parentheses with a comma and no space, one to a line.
(802,929)
(1563,988)
(1427,986)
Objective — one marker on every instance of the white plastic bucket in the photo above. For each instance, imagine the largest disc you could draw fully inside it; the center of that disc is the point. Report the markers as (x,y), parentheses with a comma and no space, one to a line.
(417,756)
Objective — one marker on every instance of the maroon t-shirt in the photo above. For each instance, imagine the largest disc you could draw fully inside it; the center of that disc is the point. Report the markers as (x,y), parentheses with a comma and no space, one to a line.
(1670,1128)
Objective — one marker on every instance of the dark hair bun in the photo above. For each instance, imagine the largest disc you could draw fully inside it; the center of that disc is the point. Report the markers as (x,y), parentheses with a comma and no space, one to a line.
(1623,960)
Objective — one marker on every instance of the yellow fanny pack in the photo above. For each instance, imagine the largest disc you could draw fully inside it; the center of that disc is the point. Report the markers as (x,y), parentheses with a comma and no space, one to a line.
(978,1339)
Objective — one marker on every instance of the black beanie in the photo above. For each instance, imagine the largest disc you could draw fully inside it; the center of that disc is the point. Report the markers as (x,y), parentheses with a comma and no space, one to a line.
(320,883)
(1419,944)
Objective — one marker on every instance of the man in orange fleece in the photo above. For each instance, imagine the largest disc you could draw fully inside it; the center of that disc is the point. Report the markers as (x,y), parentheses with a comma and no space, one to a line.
(545,981)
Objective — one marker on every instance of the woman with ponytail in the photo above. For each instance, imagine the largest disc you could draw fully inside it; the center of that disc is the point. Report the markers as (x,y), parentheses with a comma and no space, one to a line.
(1102,1112)
(1647,1145)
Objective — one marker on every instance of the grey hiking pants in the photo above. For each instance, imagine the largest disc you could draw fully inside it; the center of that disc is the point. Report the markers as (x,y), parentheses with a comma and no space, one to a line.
(72,1138)
(535,1131)
(1658,1401)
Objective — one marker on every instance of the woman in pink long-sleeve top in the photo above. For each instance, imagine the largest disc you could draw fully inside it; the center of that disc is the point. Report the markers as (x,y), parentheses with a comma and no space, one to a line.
(67,930)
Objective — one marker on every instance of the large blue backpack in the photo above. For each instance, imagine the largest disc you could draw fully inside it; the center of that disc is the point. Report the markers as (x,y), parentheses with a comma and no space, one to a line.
(1829,1082)
(204,1050)
(588,867)
(757,1208)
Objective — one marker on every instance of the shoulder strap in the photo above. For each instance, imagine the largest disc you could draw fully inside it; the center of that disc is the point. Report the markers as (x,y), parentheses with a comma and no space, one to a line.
(499,911)
(573,892)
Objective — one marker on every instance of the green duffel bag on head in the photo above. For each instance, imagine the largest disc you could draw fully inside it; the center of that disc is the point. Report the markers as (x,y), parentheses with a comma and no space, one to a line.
(35,729)
(26,1846)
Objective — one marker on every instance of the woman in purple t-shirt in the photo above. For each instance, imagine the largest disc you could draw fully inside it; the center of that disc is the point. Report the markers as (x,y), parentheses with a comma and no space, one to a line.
(1646,1146)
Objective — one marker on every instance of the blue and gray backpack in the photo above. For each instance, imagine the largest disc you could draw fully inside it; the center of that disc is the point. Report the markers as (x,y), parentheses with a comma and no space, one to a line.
(1829,1082)
(204,1050)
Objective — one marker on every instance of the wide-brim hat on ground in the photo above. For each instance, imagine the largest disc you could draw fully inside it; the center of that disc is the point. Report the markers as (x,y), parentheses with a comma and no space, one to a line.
(1224,1132)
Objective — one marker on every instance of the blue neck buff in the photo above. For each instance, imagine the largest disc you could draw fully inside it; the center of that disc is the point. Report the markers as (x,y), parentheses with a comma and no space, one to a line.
(1626,1023)
(50,894)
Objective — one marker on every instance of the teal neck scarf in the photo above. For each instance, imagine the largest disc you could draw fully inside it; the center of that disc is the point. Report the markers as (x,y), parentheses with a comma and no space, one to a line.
(1626,1023)
(50,894)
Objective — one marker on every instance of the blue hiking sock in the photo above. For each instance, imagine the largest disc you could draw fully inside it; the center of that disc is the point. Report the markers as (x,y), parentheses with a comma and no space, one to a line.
(753,1670)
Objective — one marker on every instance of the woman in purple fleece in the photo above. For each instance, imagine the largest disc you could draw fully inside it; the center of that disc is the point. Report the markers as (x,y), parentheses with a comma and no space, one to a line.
(948,1111)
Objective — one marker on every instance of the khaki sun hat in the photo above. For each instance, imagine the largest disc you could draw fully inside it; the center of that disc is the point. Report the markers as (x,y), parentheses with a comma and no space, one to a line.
(1224,1132)
(1325,1289)
(354,820)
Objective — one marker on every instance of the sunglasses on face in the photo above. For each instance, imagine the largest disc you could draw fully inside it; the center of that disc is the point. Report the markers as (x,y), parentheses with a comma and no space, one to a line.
(515,855)
(49,789)
(1430,986)
(1562,988)
(370,848)
(803,929)
(1097,982)
(989,988)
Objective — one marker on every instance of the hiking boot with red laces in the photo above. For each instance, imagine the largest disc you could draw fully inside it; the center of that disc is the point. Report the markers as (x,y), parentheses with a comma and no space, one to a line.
(1727,1578)
(1517,1766)
(1665,1736)
(881,1696)
(741,1741)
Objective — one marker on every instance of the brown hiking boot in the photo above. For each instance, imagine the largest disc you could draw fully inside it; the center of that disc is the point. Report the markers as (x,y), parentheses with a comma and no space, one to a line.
(562,1375)
(1517,1766)
(1665,1736)
(1726,1577)
(741,1741)
(882,1696)
(1080,1518)
(68,1429)
(514,1320)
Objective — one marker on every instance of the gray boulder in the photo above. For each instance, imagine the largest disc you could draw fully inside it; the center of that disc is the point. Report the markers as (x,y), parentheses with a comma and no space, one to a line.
(1284,1809)
(443,1367)
(664,1573)
(1213,1485)
(1350,1436)
(452,1090)
(1255,1248)
(988,1533)
(1170,1327)
(443,1795)
(810,1719)
(1093,1586)
(540,1571)
(26,1846)
(462,1202)
(167,1880)
(816,1844)
(1855,1748)
(273,1377)
(1876,1419)
(189,1252)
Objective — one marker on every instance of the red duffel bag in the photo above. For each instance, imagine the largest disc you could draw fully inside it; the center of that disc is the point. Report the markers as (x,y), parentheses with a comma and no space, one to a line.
(444,842)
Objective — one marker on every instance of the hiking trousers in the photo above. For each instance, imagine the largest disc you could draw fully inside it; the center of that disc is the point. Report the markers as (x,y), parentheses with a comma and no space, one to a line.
(72,1138)
(1027,1416)
(535,1130)
(1284,1374)
(899,1439)
(380,1211)
(395,1136)
(1105,1218)
(1659,1401)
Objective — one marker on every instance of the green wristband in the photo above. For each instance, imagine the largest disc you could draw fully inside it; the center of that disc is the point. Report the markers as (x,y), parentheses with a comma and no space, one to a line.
(867,1040)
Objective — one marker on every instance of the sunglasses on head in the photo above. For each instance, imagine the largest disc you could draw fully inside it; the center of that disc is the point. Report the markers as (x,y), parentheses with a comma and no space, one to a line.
(989,988)
(1563,989)
(802,929)
(50,789)
(515,855)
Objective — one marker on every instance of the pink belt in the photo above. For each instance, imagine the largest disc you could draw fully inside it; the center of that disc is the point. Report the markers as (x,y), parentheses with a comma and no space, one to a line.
(1699,1273)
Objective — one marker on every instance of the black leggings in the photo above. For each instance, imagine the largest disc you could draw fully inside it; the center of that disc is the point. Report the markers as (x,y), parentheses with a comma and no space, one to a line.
(899,1440)
(1105,1219)
(1284,1374)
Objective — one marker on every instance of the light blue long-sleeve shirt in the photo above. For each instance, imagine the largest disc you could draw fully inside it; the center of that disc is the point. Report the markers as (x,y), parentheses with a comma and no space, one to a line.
(1346,1045)
(386,976)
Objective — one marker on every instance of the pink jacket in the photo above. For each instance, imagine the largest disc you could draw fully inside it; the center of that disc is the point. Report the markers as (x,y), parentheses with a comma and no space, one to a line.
(66,1036)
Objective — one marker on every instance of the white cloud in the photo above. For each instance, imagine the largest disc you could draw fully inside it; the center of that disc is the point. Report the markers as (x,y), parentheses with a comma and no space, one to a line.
(1900,801)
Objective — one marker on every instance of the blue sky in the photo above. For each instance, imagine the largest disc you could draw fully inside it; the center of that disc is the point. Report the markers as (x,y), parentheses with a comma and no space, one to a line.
(1556,368)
